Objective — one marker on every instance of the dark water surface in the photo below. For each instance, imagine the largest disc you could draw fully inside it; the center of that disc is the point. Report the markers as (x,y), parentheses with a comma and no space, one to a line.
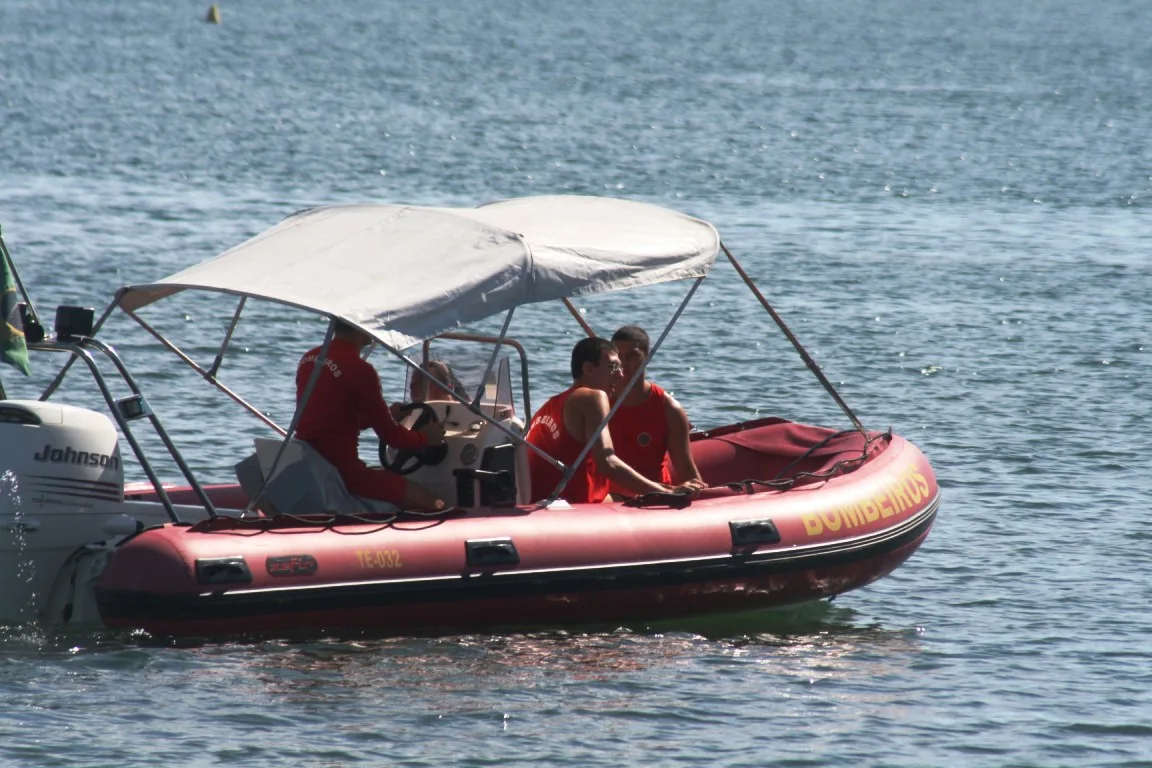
(948,202)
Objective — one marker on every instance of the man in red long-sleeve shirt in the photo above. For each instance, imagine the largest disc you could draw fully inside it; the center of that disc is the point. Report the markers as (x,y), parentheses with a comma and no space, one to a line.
(347,399)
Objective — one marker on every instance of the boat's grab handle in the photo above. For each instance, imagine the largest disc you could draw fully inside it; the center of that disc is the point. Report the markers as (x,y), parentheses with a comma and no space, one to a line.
(749,532)
(481,552)
(22,525)
(223,570)
(657,499)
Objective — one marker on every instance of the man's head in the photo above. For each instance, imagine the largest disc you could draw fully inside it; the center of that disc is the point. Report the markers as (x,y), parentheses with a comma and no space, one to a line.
(595,364)
(352,334)
(631,342)
(422,390)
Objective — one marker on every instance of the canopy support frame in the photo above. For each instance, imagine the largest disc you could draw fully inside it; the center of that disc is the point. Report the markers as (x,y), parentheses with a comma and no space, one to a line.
(808,361)
(317,368)
(492,359)
(79,350)
(227,338)
(579,318)
(207,375)
(59,378)
(455,336)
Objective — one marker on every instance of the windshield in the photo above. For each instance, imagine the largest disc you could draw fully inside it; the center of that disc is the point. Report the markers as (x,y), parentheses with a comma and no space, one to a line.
(461,371)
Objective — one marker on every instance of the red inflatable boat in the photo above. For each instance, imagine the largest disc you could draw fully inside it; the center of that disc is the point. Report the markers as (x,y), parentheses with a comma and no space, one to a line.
(831,519)
(793,513)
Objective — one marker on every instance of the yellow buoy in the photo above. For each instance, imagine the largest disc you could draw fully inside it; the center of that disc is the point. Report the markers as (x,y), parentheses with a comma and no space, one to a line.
(213,14)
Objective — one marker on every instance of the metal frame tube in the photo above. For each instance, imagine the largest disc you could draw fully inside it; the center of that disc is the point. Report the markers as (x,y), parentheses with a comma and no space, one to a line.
(55,383)
(492,359)
(78,352)
(812,366)
(317,368)
(205,374)
(579,317)
(227,338)
(16,278)
(524,389)
(173,451)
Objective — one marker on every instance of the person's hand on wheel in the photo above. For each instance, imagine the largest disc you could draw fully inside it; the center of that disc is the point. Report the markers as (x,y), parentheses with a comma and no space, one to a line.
(433,431)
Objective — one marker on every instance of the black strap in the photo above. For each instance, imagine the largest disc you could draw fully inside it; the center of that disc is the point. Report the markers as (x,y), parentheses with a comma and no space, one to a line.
(660,499)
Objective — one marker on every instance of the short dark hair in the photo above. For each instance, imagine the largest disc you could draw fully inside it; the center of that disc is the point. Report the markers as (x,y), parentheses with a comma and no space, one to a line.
(633,334)
(344,328)
(588,350)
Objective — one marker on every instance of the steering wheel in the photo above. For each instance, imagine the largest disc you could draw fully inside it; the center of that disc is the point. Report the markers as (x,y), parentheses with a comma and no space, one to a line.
(407,462)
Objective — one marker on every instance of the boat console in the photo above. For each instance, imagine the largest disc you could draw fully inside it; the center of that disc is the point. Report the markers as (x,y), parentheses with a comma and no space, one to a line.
(483,466)
(483,463)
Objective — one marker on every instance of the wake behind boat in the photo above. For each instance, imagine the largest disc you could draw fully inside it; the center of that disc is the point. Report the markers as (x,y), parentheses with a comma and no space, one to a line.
(793,512)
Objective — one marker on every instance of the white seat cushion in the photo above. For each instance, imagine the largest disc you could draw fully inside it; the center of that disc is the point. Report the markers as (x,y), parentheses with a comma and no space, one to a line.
(313,486)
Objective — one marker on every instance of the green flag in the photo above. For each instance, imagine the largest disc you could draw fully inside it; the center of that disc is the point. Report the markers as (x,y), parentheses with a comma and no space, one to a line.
(13,348)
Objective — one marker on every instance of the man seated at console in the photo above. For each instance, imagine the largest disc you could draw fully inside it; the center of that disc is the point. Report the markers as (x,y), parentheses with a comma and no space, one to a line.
(567,422)
(346,399)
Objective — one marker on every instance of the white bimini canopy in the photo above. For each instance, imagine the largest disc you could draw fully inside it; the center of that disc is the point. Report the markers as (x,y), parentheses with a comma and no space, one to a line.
(406,273)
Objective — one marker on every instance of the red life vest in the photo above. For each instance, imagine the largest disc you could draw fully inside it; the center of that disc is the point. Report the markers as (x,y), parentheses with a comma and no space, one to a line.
(640,437)
(548,433)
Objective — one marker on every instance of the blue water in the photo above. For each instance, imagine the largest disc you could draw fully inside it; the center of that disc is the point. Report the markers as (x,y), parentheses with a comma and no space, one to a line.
(948,202)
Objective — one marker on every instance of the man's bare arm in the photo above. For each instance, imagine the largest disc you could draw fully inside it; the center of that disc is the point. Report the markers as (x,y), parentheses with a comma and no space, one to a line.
(684,469)
(589,408)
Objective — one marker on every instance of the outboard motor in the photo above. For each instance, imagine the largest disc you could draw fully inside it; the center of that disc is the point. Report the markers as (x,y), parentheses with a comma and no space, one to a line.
(61,488)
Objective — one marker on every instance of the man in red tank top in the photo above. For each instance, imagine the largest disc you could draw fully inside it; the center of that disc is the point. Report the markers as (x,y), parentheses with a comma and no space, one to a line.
(347,399)
(566,423)
(650,429)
